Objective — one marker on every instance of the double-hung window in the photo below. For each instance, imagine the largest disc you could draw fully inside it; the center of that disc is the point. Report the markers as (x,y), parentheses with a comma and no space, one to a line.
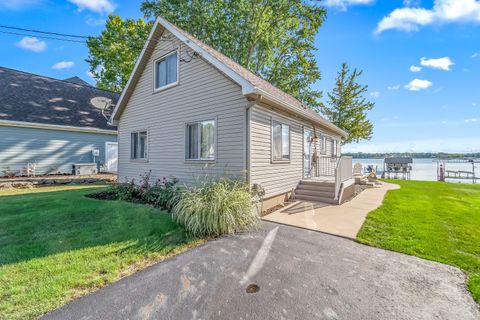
(138,145)
(334,148)
(200,140)
(280,141)
(166,71)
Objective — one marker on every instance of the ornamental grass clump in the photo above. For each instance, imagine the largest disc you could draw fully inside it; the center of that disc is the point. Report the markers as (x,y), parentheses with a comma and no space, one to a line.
(213,208)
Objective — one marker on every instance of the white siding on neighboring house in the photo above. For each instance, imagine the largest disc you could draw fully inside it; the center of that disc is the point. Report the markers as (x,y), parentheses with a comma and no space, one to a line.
(203,93)
(282,177)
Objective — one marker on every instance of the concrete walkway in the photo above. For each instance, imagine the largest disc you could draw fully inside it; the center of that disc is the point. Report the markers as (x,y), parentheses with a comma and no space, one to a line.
(342,220)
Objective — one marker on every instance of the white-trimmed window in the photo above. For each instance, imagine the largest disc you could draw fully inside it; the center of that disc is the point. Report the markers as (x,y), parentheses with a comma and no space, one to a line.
(323,147)
(139,145)
(334,147)
(200,140)
(166,71)
(280,141)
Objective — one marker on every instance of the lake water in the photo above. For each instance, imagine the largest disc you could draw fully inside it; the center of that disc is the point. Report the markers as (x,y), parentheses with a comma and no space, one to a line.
(426,169)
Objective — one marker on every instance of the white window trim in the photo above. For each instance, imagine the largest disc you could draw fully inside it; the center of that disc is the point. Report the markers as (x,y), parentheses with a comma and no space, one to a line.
(200,160)
(146,146)
(323,146)
(272,160)
(173,84)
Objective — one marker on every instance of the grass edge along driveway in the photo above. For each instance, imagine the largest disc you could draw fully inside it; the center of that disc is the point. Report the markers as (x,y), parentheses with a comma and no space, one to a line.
(58,245)
(431,220)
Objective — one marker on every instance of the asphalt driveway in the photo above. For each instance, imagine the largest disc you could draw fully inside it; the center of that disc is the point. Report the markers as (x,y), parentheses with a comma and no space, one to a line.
(301,274)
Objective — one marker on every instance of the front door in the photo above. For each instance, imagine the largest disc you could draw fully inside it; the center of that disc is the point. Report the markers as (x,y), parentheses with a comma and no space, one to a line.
(111,156)
(307,153)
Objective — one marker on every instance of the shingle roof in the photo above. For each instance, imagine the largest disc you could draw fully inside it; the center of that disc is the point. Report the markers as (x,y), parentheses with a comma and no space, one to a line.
(33,98)
(398,160)
(251,83)
(255,80)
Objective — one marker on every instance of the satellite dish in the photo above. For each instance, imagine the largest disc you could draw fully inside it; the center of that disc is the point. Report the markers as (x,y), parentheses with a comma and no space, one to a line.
(100,102)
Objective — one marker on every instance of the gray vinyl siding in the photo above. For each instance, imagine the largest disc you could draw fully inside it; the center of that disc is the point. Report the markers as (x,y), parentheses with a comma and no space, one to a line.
(52,150)
(278,178)
(203,93)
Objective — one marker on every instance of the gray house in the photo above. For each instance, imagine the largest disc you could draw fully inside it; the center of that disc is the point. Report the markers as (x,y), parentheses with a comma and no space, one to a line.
(51,124)
(190,111)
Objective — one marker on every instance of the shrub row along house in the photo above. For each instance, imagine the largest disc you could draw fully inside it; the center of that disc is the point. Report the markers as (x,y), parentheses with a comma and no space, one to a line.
(48,125)
(189,111)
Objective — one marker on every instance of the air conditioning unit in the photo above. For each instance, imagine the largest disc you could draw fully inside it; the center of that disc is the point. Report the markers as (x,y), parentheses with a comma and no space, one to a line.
(85,169)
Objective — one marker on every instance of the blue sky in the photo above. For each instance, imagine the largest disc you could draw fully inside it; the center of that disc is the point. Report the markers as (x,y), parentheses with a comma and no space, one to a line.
(421,60)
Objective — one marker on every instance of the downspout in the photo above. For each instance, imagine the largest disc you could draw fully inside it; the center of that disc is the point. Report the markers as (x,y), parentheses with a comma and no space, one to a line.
(248,162)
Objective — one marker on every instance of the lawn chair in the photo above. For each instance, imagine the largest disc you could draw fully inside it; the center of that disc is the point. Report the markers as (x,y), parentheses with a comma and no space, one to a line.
(30,169)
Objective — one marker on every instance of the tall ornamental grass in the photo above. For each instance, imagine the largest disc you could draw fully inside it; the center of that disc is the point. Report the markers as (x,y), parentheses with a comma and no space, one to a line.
(213,208)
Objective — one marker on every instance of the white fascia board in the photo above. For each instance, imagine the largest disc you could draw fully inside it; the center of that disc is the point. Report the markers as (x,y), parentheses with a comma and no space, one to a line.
(135,68)
(247,87)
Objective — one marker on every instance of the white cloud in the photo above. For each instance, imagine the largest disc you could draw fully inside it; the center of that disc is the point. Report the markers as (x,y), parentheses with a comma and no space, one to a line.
(98,6)
(395,87)
(443,11)
(63,65)
(344,4)
(418,84)
(476,55)
(472,120)
(474,104)
(32,44)
(94,22)
(411,3)
(415,68)
(375,94)
(441,63)
(18,4)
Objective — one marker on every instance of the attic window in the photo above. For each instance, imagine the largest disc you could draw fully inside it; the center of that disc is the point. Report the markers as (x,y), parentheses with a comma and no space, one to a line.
(166,71)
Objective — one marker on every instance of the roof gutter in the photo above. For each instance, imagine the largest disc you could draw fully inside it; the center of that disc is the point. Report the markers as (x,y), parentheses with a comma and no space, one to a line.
(290,107)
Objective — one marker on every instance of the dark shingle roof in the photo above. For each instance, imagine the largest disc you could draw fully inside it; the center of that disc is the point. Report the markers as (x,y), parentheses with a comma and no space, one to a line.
(33,98)
(77,80)
(399,160)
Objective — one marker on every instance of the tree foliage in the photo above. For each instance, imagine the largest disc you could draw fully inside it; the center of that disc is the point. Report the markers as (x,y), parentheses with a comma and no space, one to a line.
(272,38)
(347,107)
(113,53)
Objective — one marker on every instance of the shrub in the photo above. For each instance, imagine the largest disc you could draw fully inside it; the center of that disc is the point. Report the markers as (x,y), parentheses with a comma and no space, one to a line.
(163,193)
(127,191)
(216,207)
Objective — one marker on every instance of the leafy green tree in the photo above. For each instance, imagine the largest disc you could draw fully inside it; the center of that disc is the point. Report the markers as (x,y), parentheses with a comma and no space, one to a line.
(113,53)
(272,38)
(347,107)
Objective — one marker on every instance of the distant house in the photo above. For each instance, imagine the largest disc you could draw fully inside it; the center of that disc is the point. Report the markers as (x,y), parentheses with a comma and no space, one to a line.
(190,111)
(52,124)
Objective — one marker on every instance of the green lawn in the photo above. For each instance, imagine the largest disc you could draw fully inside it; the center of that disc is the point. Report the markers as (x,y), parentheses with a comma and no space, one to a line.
(57,245)
(431,220)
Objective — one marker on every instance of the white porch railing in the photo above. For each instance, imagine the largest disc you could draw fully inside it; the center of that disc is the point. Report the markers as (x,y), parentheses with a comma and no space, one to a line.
(343,172)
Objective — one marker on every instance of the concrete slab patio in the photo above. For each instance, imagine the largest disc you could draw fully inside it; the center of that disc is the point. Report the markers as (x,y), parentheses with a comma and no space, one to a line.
(343,220)
(301,274)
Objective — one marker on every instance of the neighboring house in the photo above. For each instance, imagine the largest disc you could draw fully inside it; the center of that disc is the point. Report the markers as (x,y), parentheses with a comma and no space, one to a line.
(52,124)
(189,111)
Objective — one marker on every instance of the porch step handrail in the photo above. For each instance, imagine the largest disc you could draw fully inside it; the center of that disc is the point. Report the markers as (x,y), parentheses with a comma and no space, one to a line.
(343,172)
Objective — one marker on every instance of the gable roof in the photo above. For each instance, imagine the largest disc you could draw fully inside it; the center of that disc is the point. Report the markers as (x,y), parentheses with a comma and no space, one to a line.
(251,84)
(77,80)
(30,98)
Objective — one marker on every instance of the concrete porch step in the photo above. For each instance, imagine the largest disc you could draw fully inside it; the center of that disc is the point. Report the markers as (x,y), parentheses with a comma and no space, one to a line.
(315,193)
(319,188)
(316,199)
(317,183)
